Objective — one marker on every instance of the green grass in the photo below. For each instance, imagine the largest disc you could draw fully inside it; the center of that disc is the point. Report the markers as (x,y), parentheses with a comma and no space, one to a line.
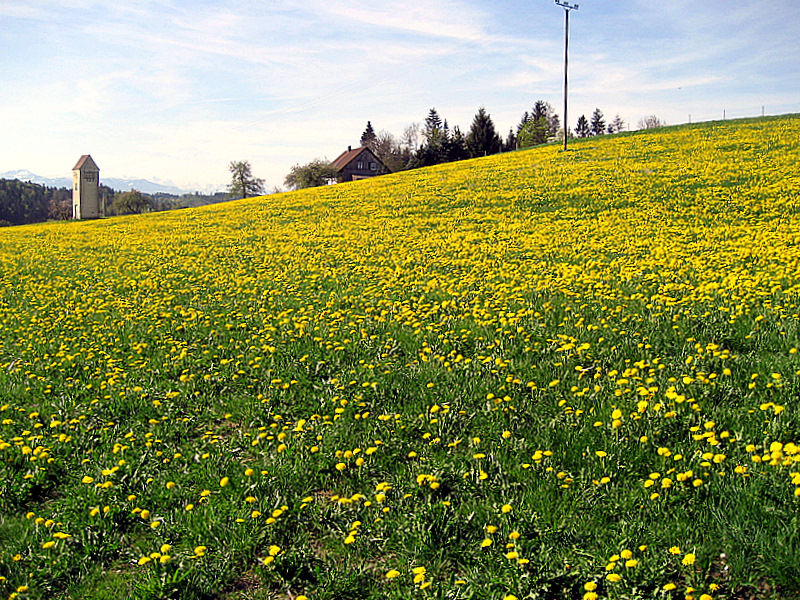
(391,372)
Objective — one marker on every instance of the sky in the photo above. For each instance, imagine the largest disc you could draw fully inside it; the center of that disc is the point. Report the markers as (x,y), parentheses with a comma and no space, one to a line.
(174,90)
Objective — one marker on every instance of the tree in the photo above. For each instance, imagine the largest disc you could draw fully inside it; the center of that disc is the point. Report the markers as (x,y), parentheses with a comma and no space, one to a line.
(544,111)
(243,184)
(130,203)
(541,125)
(533,133)
(511,142)
(482,139)
(598,122)
(455,146)
(582,128)
(650,122)
(410,138)
(525,118)
(59,206)
(317,172)
(393,155)
(616,125)
(436,132)
(368,137)
(434,149)
(553,126)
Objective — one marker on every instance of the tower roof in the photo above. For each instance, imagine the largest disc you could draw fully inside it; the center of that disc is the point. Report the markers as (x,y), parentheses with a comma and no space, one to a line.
(86,163)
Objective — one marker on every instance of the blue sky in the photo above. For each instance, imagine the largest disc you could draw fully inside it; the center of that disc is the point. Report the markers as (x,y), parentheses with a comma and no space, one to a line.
(174,90)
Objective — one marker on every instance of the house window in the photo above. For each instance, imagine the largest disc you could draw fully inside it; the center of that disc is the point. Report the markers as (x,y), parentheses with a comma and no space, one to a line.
(373,166)
(360,165)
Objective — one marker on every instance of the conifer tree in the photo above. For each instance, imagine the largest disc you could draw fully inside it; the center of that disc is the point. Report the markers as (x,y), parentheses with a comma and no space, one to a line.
(434,149)
(433,127)
(482,138)
(525,118)
(456,146)
(582,128)
(368,137)
(511,142)
(598,122)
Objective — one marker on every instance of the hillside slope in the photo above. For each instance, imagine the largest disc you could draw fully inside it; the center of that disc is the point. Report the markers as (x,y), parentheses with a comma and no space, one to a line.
(537,374)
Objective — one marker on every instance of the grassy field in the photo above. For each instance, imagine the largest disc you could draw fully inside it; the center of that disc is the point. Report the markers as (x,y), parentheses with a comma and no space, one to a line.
(534,375)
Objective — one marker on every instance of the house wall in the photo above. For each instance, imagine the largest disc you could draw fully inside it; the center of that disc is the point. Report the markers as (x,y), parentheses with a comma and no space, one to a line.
(361,167)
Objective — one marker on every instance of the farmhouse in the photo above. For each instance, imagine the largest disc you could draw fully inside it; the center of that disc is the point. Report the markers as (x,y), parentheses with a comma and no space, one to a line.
(358,163)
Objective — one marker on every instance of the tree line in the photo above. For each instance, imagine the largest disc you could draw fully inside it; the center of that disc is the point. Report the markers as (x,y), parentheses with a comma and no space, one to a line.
(22,202)
(434,142)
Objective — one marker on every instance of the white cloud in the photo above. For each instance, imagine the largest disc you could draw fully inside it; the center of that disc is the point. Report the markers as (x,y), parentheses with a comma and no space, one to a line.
(178,89)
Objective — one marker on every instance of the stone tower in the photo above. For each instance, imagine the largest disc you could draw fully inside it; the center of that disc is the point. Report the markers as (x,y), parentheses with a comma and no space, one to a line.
(85,189)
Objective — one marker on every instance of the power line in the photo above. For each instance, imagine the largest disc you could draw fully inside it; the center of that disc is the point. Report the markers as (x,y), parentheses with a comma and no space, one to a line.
(567,7)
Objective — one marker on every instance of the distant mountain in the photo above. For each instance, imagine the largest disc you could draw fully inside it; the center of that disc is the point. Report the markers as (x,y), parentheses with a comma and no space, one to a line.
(143,185)
(25,175)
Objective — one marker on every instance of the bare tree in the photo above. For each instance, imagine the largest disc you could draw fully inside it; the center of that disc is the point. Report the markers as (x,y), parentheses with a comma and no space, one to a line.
(410,137)
(393,155)
(650,122)
(616,125)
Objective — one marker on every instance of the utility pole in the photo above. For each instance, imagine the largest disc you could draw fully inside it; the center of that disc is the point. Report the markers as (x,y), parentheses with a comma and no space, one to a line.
(567,7)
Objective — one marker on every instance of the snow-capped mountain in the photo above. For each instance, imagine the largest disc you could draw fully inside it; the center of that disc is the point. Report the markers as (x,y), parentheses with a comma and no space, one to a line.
(143,185)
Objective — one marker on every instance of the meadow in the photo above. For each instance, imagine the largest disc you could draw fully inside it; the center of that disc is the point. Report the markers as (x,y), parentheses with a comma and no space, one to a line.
(533,375)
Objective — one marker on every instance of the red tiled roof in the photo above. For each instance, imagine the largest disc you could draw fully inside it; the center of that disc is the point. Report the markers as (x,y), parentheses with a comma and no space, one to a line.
(346,157)
(86,161)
